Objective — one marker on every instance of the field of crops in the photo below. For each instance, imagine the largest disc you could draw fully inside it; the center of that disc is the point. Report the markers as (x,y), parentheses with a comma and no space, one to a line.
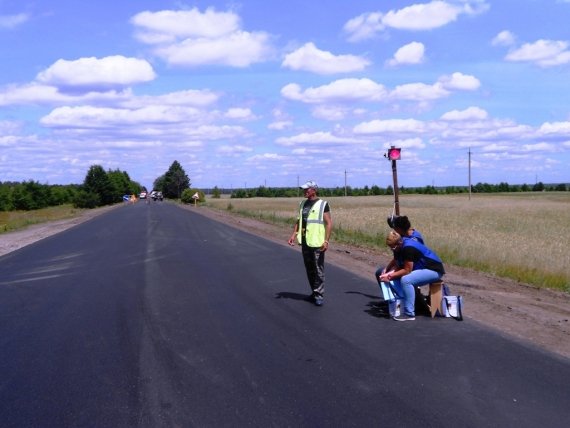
(524,236)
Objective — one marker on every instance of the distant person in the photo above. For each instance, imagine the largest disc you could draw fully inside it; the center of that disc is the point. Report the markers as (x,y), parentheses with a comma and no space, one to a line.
(402,225)
(312,231)
(419,266)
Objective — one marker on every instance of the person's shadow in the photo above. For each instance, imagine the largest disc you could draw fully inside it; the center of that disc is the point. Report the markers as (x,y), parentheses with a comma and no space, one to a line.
(294,296)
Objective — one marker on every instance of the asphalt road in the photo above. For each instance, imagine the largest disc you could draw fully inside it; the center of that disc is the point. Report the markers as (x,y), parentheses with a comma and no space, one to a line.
(156,316)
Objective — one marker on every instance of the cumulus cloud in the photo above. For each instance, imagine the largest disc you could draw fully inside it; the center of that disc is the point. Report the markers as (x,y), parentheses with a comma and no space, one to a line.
(9,22)
(555,128)
(339,90)
(545,53)
(470,113)
(412,53)
(327,112)
(504,38)
(425,16)
(417,17)
(419,92)
(240,114)
(540,147)
(390,126)
(192,38)
(233,150)
(309,58)
(280,125)
(38,94)
(104,117)
(364,27)
(169,25)
(94,72)
(314,138)
(460,81)
(189,97)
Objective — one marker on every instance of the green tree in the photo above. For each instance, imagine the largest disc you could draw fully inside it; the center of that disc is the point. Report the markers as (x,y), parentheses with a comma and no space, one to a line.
(6,202)
(216,193)
(122,184)
(97,181)
(174,181)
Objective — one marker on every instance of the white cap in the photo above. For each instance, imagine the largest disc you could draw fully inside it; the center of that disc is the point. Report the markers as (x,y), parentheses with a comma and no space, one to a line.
(310,185)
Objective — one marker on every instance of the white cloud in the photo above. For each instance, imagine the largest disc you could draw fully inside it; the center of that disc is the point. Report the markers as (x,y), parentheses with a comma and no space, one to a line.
(470,113)
(558,128)
(460,81)
(339,90)
(364,27)
(240,49)
(181,24)
(389,126)
(425,16)
(327,112)
(104,117)
(539,147)
(189,97)
(267,157)
(192,38)
(419,92)
(34,93)
(417,17)
(10,22)
(412,53)
(545,53)
(408,143)
(93,72)
(280,125)
(314,138)
(240,113)
(504,38)
(309,58)
(233,150)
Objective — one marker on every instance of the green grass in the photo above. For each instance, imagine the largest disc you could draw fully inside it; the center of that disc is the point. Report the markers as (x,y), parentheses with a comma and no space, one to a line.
(522,236)
(14,220)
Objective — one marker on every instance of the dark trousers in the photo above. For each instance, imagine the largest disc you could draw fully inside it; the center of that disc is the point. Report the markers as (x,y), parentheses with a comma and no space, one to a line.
(314,260)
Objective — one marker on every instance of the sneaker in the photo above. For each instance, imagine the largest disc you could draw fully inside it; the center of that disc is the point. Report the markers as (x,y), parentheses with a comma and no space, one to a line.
(319,301)
(404,317)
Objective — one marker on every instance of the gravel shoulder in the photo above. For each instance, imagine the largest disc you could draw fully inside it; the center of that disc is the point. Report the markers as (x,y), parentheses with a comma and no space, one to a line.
(538,317)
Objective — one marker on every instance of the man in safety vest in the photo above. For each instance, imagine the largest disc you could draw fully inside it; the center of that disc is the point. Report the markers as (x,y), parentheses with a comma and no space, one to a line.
(312,231)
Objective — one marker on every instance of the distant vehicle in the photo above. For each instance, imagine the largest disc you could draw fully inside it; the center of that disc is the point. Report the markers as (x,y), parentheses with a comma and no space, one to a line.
(156,195)
(142,195)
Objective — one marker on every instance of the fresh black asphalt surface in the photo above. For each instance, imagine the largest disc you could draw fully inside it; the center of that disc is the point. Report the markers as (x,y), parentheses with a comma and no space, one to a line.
(155,316)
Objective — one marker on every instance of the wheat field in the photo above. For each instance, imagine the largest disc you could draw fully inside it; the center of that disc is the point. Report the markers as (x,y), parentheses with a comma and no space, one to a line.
(524,236)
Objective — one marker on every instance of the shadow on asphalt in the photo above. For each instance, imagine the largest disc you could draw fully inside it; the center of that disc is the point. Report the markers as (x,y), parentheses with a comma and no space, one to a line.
(294,296)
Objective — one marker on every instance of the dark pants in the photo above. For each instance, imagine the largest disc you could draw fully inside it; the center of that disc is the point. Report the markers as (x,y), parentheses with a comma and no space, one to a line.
(314,260)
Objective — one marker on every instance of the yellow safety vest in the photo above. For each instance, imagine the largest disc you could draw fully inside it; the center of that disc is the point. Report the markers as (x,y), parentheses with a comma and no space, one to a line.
(315,231)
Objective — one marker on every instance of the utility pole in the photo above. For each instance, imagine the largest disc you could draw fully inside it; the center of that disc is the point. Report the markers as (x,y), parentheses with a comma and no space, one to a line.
(394,155)
(345,187)
(469,173)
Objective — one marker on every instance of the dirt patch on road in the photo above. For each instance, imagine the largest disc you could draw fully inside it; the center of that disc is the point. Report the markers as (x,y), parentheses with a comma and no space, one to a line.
(529,314)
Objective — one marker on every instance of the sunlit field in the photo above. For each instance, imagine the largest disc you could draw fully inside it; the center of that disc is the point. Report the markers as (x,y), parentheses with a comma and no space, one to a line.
(524,236)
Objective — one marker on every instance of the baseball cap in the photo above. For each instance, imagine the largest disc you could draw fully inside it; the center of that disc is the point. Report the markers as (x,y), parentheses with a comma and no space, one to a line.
(310,185)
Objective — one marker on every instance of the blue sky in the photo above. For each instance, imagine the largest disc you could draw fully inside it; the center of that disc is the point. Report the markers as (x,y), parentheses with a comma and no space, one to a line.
(264,92)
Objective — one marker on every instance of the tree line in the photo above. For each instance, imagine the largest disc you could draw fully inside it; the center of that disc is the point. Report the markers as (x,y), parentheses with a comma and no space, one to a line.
(102,187)
(99,188)
(263,191)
